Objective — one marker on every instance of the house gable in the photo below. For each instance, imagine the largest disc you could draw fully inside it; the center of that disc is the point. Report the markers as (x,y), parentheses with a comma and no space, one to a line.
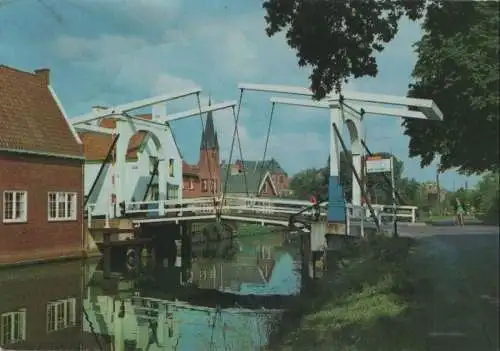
(31,120)
(253,182)
(267,186)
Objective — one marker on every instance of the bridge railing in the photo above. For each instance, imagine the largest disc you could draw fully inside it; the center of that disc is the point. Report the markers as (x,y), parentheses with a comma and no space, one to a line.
(265,206)
(253,206)
(383,212)
(202,205)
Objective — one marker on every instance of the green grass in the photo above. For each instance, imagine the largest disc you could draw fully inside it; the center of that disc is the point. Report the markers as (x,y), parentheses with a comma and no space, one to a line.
(365,305)
(392,294)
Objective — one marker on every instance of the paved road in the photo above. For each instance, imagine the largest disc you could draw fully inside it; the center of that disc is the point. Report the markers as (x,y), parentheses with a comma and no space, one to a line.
(462,303)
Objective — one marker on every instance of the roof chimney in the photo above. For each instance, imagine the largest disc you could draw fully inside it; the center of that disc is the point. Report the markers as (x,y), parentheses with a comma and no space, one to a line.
(44,74)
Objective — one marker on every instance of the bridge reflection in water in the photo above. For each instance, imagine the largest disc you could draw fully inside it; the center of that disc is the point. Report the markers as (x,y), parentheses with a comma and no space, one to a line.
(226,298)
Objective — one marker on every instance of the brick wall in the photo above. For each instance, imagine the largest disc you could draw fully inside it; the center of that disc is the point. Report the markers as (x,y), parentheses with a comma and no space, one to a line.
(39,238)
(209,168)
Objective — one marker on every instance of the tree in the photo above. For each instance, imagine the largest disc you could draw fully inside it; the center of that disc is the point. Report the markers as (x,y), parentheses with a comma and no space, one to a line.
(488,194)
(338,39)
(308,182)
(315,180)
(457,66)
(410,191)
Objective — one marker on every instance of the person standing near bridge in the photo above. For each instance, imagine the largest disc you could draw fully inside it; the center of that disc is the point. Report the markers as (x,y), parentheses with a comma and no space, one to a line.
(315,206)
(460,212)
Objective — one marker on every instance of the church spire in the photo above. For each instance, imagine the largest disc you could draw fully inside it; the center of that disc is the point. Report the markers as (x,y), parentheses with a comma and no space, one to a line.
(209,138)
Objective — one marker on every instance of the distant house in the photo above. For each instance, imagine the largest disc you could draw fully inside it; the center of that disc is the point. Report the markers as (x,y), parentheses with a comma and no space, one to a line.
(225,275)
(279,177)
(141,159)
(247,183)
(430,190)
(41,172)
(238,180)
(203,179)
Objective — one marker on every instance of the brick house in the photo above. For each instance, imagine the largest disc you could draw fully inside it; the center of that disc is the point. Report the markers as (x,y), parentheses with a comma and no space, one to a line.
(41,172)
(203,179)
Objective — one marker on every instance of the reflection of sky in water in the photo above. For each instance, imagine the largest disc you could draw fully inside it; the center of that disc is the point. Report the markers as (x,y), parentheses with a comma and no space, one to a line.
(229,329)
(233,330)
(284,280)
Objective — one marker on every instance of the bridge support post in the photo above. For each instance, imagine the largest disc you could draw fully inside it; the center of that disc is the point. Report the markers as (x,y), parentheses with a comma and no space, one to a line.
(305,253)
(119,314)
(336,203)
(356,188)
(186,245)
(119,175)
(107,255)
(318,246)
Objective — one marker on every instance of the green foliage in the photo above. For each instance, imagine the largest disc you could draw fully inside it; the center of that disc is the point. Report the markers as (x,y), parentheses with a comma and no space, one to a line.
(458,67)
(315,181)
(488,193)
(362,307)
(311,181)
(338,39)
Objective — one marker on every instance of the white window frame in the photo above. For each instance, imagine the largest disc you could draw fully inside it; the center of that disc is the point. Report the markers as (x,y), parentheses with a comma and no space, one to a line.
(172,191)
(24,217)
(204,185)
(66,309)
(22,327)
(57,218)
(171,167)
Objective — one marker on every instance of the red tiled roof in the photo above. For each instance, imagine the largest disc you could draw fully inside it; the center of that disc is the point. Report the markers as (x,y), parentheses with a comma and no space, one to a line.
(96,145)
(30,119)
(187,169)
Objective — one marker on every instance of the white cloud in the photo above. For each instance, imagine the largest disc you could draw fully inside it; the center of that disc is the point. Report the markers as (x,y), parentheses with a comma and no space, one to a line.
(146,12)
(206,51)
(96,49)
(166,83)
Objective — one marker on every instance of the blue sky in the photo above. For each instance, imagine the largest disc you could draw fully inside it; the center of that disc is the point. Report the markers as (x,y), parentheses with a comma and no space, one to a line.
(109,52)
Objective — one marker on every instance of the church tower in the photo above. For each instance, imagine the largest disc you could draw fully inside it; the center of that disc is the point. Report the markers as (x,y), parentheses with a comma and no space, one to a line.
(209,156)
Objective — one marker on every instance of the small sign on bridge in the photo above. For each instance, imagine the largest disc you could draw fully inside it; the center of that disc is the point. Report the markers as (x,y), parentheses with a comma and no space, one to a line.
(378,164)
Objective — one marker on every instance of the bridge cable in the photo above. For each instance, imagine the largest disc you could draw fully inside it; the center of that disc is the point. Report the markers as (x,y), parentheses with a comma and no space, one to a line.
(356,175)
(392,187)
(386,178)
(236,120)
(214,321)
(150,183)
(239,142)
(211,183)
(87,318)
(266,145)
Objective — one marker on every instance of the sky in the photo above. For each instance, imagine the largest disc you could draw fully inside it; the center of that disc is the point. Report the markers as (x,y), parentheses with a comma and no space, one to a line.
(109,52)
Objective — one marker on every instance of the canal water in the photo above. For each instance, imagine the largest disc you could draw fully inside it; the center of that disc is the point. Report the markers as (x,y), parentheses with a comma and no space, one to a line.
(225,298)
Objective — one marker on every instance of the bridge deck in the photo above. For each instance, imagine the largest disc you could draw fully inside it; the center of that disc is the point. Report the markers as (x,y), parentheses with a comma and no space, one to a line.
(270,211)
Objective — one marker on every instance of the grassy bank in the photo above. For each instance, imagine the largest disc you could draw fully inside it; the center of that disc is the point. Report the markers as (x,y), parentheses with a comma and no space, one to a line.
(367,303)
